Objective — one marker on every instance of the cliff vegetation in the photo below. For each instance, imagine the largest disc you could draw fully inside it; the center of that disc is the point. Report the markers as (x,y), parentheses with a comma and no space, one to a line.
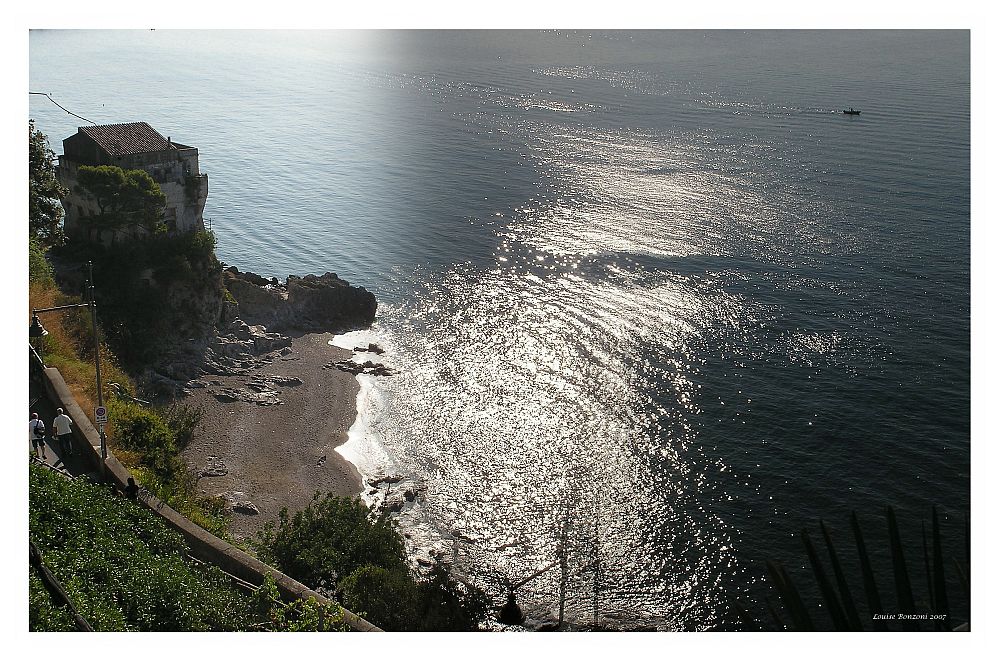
(340,546)
(168,312)
(124,570)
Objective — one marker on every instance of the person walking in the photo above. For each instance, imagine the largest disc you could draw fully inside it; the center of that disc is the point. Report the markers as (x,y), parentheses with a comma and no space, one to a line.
(62,426)
(36,432)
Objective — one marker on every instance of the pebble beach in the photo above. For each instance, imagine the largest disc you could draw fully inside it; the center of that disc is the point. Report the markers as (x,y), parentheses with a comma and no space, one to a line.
(279,450)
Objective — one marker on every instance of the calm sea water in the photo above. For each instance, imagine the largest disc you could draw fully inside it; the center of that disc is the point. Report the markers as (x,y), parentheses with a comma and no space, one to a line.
(655,300)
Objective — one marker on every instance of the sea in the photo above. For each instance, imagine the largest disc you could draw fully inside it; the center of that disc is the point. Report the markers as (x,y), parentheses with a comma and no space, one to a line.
(656,304)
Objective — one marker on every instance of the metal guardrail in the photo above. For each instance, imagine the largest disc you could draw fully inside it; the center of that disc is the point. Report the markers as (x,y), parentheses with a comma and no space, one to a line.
(36,359)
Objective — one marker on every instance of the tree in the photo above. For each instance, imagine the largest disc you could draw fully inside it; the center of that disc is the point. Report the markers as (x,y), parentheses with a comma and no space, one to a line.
(44,210)
(446,604)
(332,538)
(125,198)
(386,598)
(39,269)
(340,543)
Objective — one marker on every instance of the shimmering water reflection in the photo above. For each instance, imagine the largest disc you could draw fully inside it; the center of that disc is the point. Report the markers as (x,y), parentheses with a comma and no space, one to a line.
(525,409)
(651,296)
(547,404)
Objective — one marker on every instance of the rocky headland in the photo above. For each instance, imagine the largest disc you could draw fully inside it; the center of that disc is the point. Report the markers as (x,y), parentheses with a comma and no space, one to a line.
(253,322)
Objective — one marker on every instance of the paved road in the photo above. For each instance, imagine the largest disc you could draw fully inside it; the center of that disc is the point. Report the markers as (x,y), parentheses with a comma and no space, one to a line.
(75,464)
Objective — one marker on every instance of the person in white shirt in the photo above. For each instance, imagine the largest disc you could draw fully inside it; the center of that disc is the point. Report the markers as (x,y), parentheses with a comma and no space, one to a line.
(36,433)
(63,428)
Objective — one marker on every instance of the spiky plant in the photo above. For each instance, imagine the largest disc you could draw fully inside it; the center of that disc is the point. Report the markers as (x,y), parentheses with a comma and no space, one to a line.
(838,601)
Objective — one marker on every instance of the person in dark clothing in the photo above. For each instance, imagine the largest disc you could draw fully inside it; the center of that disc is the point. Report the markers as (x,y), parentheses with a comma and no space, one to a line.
(132,489)
(511,612)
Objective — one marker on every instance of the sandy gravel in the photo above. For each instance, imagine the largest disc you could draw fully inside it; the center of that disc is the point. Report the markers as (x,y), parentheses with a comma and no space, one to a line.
(279,455)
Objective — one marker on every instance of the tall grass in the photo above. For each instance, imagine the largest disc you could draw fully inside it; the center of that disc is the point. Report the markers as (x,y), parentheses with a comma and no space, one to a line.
(69,346)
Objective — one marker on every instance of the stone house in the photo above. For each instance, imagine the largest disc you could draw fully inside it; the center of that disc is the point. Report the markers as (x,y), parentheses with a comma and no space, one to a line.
(133,146)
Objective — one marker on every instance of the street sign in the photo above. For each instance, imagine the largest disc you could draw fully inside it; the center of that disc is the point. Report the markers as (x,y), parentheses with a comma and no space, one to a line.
(101,415)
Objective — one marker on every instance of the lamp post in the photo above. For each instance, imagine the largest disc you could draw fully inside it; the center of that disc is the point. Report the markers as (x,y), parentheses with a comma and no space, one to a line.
(37,330)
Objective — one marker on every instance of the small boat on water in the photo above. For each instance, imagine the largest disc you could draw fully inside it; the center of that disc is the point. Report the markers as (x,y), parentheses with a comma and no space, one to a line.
(852,111)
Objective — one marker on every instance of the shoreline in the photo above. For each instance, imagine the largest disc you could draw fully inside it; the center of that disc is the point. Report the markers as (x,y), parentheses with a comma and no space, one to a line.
(363,448)
(277,455)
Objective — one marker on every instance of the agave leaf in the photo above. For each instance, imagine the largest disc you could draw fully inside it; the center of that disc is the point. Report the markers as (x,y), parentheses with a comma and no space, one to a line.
(927,568)
(850,608)
(790,596)
(963,579)
(968,560)
(825,588)
(904,592)
(940,591)
(871,590)
(800,606)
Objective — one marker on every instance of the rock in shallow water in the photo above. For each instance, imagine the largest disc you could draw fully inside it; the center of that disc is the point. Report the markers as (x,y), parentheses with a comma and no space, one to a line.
(394,502)
(386,479)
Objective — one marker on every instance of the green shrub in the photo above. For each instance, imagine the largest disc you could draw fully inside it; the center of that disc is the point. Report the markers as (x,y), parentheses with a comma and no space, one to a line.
(446,604)
(341,542)
(183,421)
(43,614)
(388,599)
(300,615)
(39,269)
(330,539)
(143,430)
(122,567)
(200,245)
(174,267)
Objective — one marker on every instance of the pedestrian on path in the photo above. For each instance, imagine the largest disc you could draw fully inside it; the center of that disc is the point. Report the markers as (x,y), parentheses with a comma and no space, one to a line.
(132,489)
(62,426)
(36,432)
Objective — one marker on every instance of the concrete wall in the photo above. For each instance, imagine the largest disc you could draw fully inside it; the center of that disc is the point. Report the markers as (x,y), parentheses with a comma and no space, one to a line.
(204,545)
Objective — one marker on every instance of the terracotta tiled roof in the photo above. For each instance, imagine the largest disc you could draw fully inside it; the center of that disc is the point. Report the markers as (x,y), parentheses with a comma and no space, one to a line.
(125,139)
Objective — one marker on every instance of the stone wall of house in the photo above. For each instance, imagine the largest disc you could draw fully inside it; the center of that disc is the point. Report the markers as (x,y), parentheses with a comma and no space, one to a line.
(177,173)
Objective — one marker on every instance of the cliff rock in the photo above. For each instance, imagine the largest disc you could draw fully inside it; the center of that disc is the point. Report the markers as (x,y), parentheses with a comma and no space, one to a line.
(234,333)
(311,303)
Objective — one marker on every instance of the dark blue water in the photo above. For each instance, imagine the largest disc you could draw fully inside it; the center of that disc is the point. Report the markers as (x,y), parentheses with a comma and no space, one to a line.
(651,288)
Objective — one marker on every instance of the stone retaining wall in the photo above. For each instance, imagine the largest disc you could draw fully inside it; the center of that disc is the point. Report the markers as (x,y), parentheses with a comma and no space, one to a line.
(204,545)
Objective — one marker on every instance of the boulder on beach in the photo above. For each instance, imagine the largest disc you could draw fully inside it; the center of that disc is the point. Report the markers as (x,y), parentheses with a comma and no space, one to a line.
(246,507)
(215,468)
